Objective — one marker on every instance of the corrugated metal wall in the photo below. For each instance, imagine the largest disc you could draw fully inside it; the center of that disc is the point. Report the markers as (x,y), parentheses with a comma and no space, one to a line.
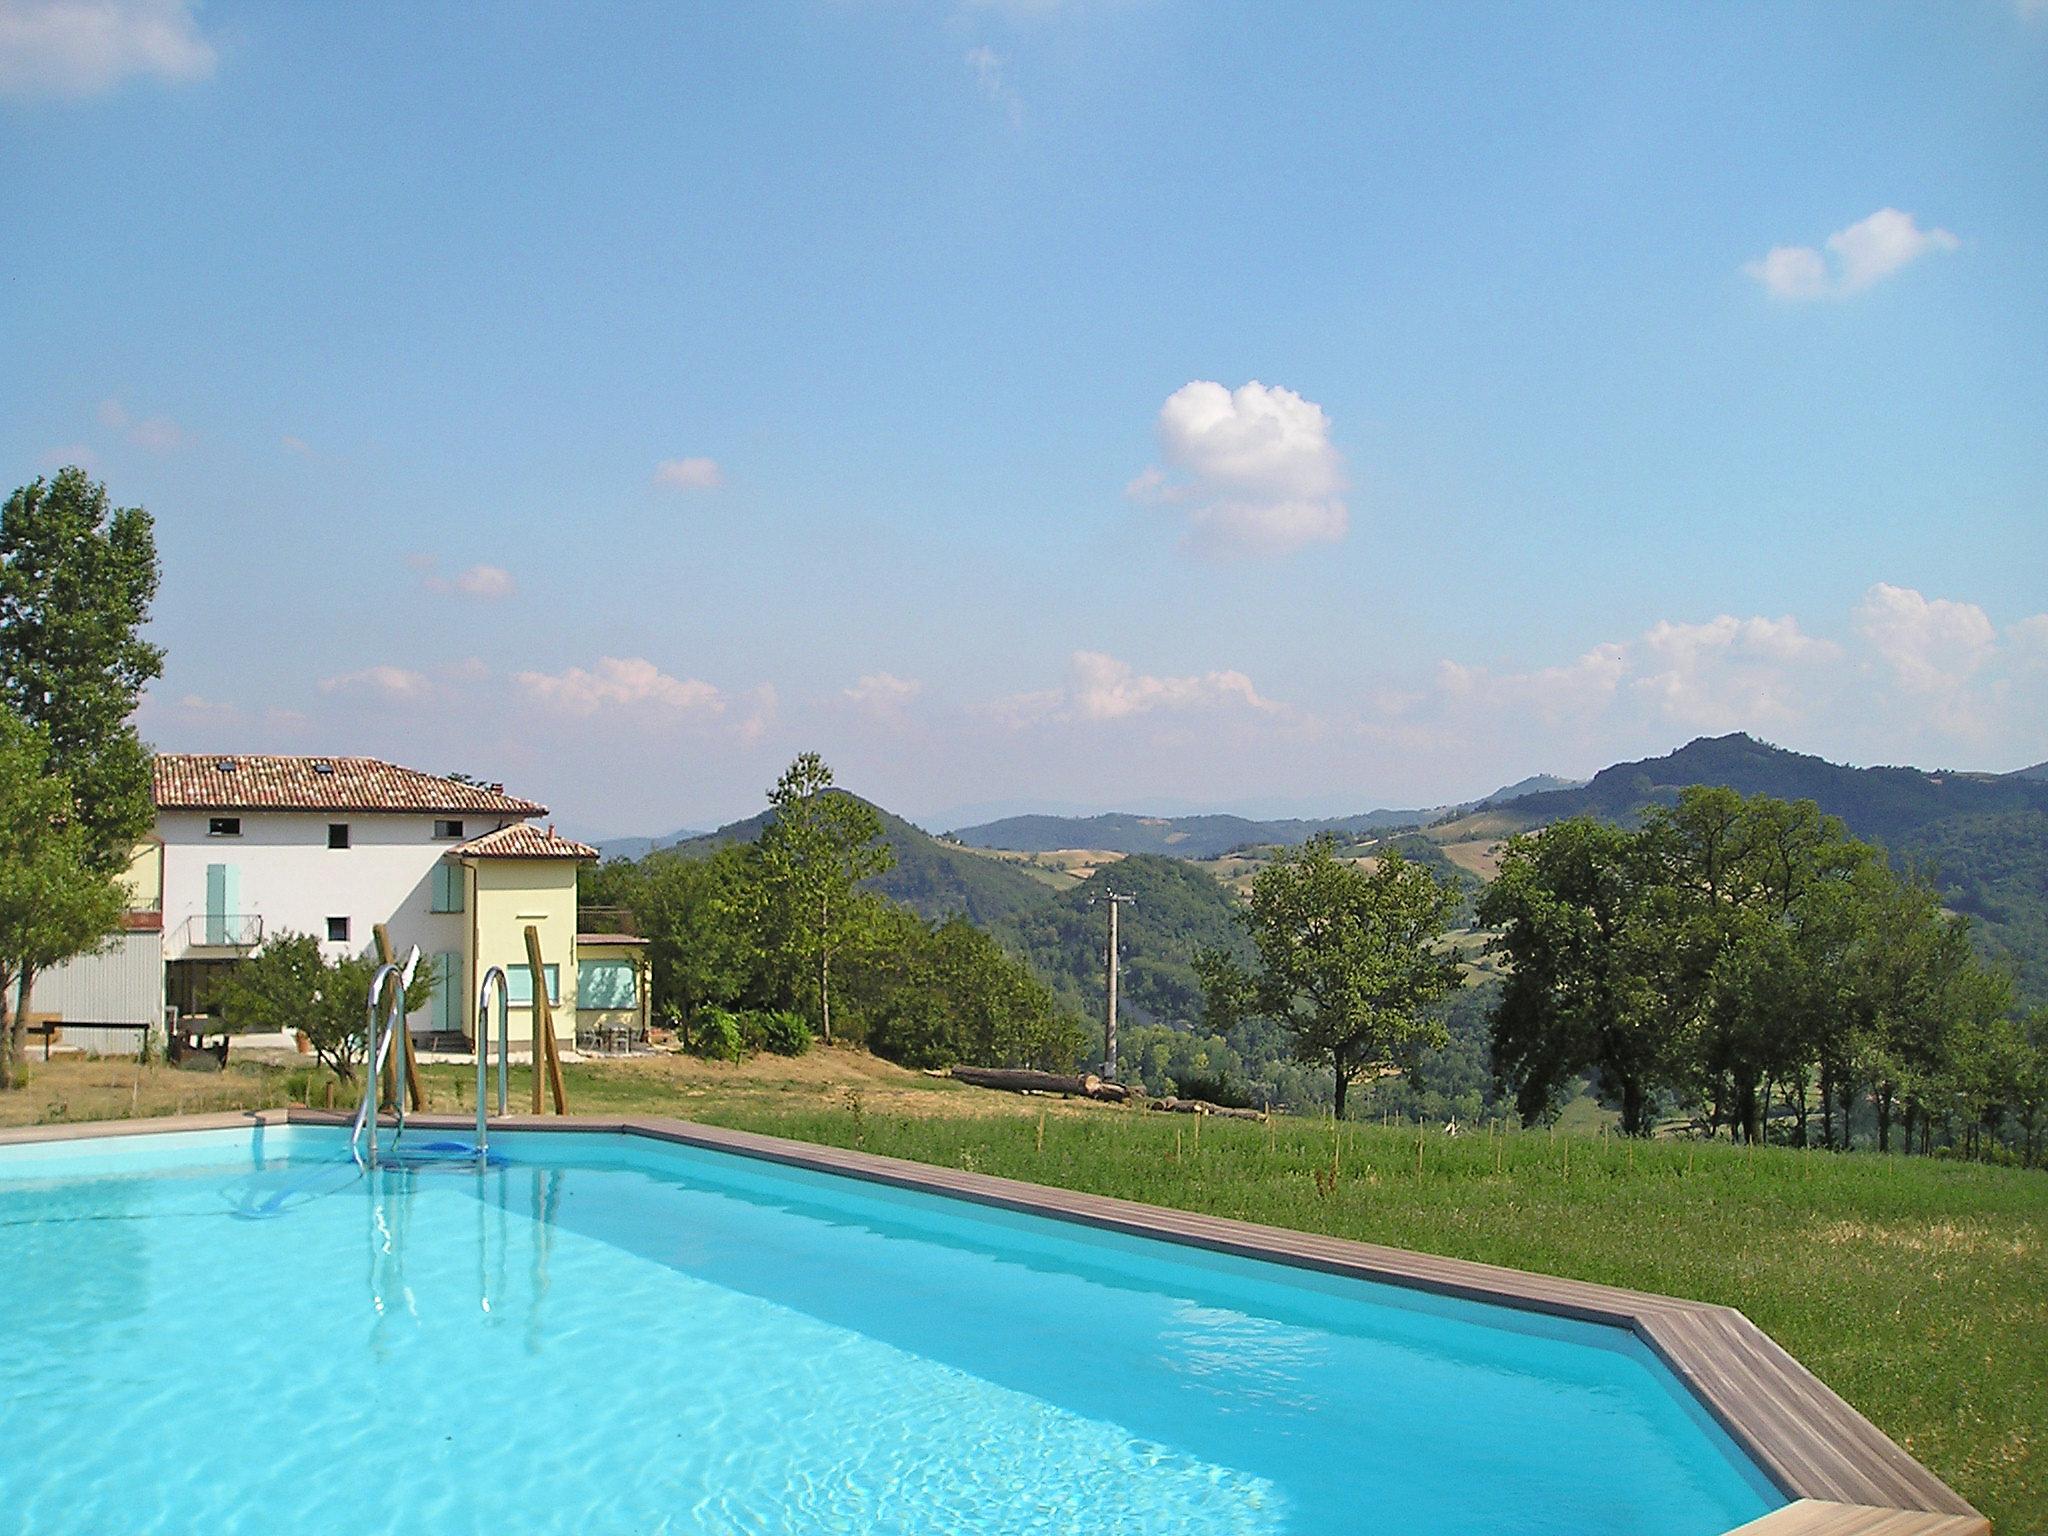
(123,985)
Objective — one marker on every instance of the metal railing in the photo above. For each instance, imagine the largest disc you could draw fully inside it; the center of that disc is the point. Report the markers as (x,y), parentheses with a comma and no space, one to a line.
(379,1038)
(224,930)
(483,1042)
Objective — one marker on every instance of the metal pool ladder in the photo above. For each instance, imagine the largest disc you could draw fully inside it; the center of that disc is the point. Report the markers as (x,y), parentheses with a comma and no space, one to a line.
(483,1040)
(379,1037)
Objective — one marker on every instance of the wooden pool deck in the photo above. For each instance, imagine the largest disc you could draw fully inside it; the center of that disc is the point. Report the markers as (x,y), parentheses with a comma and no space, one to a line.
(1844,1476)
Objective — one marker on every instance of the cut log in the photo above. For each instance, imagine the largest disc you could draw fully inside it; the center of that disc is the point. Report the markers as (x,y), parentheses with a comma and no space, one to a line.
(1083,1085)
(1174,1106)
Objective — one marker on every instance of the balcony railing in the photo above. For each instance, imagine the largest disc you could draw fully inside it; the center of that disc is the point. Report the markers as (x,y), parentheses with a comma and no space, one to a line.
(606,920)
(224,930)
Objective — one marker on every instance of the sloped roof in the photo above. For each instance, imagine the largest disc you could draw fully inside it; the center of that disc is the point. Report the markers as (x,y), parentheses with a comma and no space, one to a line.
(523,840)
(193,781)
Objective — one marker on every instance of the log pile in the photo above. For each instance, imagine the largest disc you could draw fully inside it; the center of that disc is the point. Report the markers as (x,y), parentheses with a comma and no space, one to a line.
(1203,1107)
(1084,1085)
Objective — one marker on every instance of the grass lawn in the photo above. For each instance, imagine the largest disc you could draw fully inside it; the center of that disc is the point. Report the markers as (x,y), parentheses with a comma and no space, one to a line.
(1917,1289)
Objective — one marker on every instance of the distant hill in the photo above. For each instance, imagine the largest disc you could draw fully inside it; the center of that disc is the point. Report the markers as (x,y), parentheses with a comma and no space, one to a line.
(1204,837)
(1982,838)
(1881,804)
(640,847)
(1535,784)
(935,879)
(2038,771)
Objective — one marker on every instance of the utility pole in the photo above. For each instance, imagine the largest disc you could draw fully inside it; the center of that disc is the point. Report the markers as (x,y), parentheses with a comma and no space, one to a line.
(1114,899)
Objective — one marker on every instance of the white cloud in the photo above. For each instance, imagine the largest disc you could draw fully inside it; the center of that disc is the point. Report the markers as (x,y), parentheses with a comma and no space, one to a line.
(1931,645)
(396,684)
(697,474)
(1865,253)
(1731,674)
(297,445)
(1552,693)
(157,434)
(480,581)
(1253,469)
(1103,687)
(987,67)
(621,682)
(883,691)
(80,48)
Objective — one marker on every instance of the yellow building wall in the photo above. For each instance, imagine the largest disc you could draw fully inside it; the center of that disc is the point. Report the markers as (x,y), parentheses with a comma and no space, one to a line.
(505,897)
(143,879)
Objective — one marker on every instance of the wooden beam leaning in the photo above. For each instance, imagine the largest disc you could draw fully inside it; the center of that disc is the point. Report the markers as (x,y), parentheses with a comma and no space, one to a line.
(544,1045)
(401,1044)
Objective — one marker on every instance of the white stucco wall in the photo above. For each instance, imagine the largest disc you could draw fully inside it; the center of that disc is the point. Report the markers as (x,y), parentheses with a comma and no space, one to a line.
(290,878)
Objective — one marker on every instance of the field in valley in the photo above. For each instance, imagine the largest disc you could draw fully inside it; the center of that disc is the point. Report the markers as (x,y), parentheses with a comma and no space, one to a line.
(1916,1287)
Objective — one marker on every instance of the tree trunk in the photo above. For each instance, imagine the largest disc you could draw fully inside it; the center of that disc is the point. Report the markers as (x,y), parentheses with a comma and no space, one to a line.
(1884,1118)
(1827,1105)
(10,1062)
(1343,1079)
(17,1028)
(1633,1112)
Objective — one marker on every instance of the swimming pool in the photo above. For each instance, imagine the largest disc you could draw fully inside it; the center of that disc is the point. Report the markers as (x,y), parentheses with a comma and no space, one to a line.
(238,1331)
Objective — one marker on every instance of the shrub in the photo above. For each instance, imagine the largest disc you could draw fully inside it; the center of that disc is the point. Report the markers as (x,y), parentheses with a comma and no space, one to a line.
(717,1036)
(783,1034)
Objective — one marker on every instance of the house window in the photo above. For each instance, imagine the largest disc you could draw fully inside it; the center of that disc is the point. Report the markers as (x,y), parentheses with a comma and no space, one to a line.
(519,985)
(606,984)
(451,830)
(447,891)
(337,930)
(337,834)
(224,826)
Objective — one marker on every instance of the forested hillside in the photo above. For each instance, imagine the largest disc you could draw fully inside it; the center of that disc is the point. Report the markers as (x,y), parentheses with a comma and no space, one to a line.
(1176,911)
(933,879)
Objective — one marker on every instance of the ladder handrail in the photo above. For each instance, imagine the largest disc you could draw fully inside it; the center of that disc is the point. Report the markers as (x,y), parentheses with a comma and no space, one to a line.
(378,1041)
(483,1040)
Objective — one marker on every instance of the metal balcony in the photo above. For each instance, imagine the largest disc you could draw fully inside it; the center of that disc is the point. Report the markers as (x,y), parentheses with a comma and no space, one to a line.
(224,930)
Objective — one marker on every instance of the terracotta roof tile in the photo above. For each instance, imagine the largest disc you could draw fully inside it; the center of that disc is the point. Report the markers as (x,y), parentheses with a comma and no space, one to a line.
(523,841)
(192,781)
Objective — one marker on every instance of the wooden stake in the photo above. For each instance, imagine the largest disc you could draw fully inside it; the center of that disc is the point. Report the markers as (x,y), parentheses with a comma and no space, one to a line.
(544,1028)
(402,1045)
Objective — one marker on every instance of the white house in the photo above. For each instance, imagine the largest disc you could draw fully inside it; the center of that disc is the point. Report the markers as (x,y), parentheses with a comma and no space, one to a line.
(251,847)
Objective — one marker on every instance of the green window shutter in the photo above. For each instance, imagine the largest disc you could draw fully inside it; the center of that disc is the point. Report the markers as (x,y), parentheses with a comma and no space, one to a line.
(519,984)
(448,884)
(220,901)
(448,1011)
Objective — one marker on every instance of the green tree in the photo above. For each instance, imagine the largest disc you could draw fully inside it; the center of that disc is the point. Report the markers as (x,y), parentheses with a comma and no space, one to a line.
(703,921)
(1584,989)
(77,576)
(1350,961)
(814,853)
(952,994)
(54,903)
(290,986)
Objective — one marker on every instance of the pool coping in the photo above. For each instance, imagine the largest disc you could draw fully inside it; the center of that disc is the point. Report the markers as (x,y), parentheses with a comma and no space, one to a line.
(1845,1477)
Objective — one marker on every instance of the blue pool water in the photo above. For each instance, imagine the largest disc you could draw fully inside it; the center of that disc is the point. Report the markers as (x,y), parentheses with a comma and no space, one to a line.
(237,1332)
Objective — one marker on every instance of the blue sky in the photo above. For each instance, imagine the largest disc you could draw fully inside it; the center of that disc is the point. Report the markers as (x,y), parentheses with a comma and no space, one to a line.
(1101,403)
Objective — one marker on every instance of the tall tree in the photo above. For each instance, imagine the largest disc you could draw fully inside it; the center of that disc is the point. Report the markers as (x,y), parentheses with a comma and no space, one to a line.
(1350,960)
(1586,969)
(819,846)
(53,903)
(77,576)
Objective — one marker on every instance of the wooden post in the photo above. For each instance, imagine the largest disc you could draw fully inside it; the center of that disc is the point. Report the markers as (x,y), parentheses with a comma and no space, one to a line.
(401,1046)
(544,1028)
